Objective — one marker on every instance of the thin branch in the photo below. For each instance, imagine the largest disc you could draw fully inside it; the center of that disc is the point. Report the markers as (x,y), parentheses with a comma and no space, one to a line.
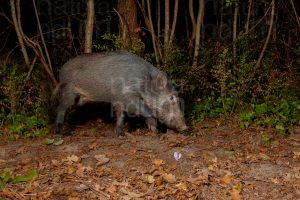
(221,20)
(158,18)
(167,23)
(152,32)
(235,22)
(6,17)
(122,23)
(259,21)
(295,12)
(38,52)
(268,36)
(42,37)
(18,31)
(30,69)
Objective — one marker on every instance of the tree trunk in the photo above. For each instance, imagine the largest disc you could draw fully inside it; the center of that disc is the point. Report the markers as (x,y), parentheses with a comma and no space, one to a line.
(167,24)
(17,25)
(174,22)
(198,31)
(221,20)
(90,11)
(158,18)
(192,15)
(186,20)
(235,22)
(248,17)
(149,24)
(128,14)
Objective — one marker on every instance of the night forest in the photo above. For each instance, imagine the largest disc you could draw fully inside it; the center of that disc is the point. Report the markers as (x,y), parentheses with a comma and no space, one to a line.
(234,67)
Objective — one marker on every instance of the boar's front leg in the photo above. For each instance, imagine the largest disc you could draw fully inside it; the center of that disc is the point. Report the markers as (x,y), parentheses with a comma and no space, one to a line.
(152,124)
(143,110)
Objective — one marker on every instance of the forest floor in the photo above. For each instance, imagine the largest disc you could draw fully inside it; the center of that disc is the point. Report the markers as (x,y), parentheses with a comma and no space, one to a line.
(217,162)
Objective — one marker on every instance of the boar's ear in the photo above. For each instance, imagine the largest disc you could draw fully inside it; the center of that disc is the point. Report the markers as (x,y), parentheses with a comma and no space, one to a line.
(160,81)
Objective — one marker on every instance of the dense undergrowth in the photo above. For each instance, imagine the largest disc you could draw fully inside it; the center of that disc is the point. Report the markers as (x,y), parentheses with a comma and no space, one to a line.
(23,102)
(218,86)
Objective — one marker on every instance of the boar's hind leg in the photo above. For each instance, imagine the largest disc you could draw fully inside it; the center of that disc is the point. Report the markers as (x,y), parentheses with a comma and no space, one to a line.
(65,103)
(120,114)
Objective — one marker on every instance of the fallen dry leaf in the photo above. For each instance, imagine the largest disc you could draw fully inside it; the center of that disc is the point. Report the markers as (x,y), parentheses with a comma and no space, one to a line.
(226,179)
(235,194)
(93,146)
(132,195)
(209,156)
(169,178)
(2,161)
(264,156)
(158,162)
(55,162)
(182,186)
(7,192)
(132,139)
(112,189)
(20,150)
(102,159)
(296,154)
(82,187)
(80,170)
(73,158)
(73,198)
(159,181)
(275,180)
(97,187)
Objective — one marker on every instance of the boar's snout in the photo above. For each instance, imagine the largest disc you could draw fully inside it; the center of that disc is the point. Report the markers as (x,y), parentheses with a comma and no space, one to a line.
(182,128)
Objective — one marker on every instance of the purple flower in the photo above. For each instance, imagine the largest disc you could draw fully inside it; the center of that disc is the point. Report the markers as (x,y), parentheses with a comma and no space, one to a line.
(177,155)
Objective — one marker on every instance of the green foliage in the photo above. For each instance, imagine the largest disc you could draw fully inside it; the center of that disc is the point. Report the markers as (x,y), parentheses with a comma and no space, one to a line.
(6,176)
(261,96)
(230,2)
(210,108)
(279,111)
(113,42)
(266,139)
(27,126)
(93,130)
(176,61)
(23,106)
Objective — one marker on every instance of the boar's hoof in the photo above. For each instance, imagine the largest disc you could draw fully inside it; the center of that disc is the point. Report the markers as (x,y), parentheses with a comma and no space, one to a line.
(120,133)
(58,130)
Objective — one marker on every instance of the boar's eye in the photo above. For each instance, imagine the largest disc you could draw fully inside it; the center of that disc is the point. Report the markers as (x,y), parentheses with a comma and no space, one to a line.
(173,99)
